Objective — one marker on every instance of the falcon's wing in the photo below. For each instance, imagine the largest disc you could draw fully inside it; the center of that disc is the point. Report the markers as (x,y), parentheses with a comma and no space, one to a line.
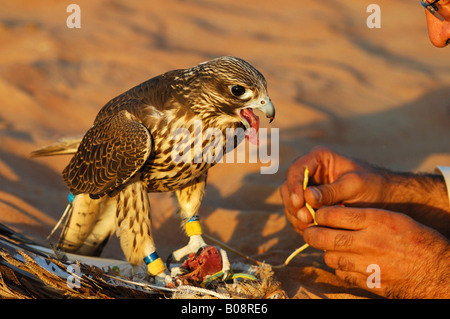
(111,152)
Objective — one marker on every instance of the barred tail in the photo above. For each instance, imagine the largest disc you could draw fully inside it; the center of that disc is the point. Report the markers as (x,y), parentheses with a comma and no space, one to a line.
(64,146)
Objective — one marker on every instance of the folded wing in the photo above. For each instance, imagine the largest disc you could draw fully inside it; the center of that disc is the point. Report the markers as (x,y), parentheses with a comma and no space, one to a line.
(110,154)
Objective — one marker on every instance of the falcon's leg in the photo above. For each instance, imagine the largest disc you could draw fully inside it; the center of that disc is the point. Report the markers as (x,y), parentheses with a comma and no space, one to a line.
(89,225)
(134,230)
(190,199)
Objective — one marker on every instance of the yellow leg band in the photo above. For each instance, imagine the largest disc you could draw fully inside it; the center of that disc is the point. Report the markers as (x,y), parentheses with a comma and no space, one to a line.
(193,228)
(156,267)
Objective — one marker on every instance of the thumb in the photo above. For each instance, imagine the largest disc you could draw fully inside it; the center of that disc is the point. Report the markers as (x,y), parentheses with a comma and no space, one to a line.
(328,194)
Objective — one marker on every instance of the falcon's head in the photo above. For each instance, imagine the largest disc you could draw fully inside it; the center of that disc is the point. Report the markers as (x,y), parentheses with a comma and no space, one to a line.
(226,91)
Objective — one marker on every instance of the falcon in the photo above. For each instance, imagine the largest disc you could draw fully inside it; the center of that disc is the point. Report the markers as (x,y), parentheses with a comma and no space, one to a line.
(129,152)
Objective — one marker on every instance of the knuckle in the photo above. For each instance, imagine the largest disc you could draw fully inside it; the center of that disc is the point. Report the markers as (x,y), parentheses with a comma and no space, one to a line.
(345,264)
(355,217)
(338,262)
(343,241)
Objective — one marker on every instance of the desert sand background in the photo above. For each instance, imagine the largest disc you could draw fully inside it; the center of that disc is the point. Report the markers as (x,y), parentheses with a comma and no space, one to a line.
(379,95)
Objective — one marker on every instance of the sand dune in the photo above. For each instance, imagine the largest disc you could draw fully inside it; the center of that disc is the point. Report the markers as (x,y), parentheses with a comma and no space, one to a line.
(380,95)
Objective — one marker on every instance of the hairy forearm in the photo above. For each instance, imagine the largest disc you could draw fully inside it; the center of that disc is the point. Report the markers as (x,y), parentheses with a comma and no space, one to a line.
(421,196)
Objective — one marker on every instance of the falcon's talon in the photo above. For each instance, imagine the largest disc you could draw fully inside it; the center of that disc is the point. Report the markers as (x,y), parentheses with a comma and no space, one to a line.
(199,251)
(226,266)
(169,261)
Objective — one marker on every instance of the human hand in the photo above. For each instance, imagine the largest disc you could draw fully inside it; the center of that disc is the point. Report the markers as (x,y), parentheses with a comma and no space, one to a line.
(413,259)
(336,179)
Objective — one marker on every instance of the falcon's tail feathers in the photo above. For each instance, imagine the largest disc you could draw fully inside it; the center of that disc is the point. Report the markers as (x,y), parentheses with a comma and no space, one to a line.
(89,225)
(64,146)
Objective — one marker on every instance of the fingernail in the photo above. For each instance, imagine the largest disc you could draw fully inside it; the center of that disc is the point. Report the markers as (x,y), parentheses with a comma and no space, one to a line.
(316,194)
(302,216)
(295,200)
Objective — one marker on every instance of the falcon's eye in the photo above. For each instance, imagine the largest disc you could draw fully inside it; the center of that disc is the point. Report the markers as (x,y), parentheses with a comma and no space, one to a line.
(237,90)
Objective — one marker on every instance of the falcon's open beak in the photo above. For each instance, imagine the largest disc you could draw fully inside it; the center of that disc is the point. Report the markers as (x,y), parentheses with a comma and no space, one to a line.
(251,121)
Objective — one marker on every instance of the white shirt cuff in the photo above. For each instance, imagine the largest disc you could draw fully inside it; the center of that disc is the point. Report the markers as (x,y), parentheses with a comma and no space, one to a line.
(445,171)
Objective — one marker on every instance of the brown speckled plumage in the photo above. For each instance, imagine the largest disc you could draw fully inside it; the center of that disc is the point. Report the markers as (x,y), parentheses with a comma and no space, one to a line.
(128,151)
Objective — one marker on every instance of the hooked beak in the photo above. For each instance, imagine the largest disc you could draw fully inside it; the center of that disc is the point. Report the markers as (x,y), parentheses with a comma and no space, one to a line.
(267,108)
(251,121)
